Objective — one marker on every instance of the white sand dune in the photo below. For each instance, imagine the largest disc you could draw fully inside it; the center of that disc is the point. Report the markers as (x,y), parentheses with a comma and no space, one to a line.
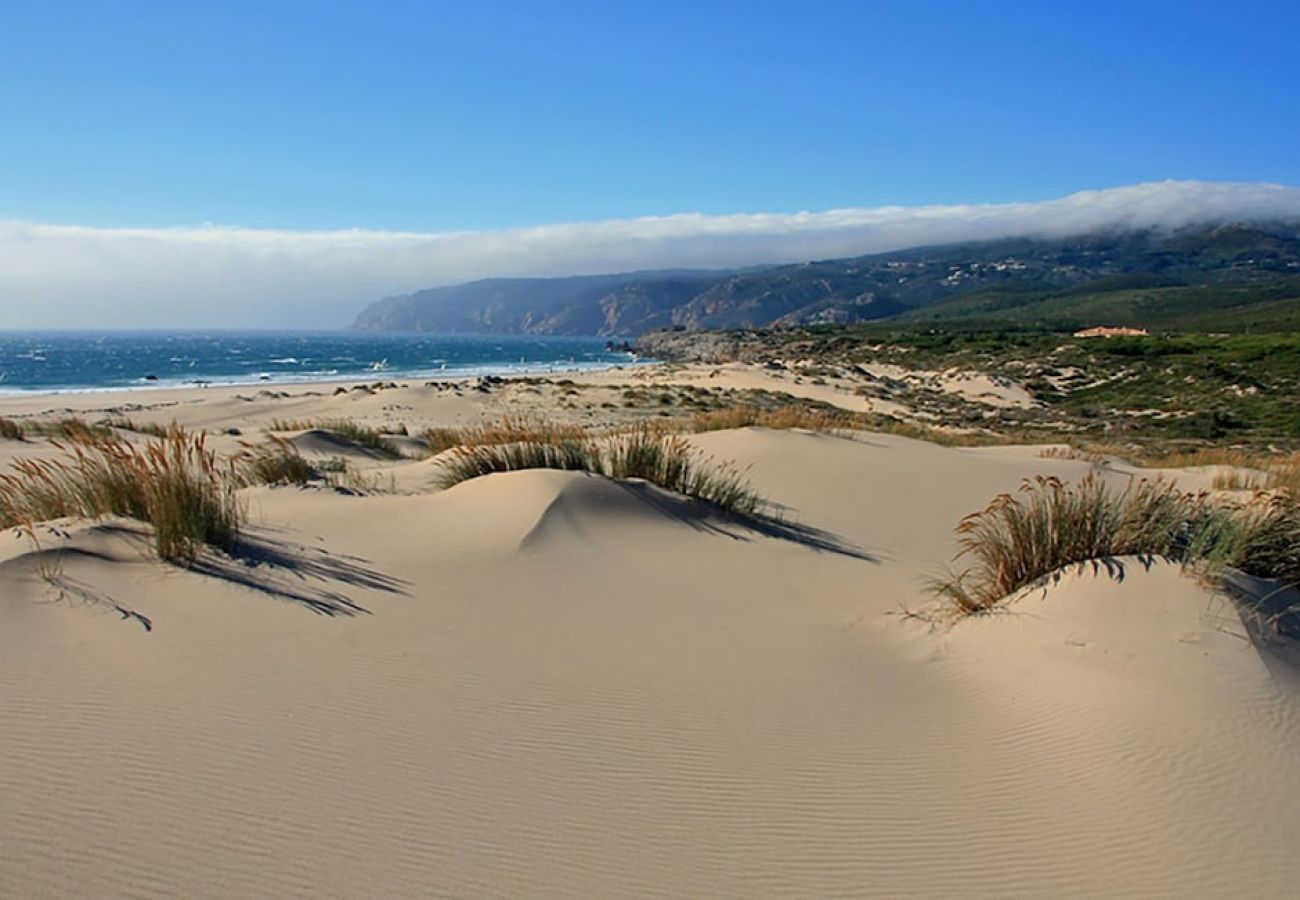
(546,683)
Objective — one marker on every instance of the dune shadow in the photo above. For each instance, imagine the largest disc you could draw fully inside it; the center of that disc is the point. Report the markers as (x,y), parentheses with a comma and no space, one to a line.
(67,588)
(1270,611)
(297,574)
(706,517)
(1111,566)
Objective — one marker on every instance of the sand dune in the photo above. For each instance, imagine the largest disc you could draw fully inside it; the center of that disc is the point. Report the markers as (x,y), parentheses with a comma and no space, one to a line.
(547,683)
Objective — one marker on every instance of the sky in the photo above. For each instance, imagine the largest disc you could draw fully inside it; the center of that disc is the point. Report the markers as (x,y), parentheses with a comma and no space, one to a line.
(244,163)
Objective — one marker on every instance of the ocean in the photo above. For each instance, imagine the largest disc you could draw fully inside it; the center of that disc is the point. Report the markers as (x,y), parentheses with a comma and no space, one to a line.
(103,360)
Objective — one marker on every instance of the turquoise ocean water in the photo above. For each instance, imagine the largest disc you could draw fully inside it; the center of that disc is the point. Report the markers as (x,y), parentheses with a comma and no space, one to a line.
(78,361)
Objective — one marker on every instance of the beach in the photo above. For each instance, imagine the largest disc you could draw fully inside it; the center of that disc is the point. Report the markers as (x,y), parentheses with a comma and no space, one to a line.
(551,683)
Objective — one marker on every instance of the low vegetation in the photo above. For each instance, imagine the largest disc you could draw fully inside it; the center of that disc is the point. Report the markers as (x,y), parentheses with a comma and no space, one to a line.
(784,417)
(10,430)
(1181,391)
(67,428)
(123,423)
(273,462)
(175,483)
(1021,539)
(509,430)
(646,452)
(362,435)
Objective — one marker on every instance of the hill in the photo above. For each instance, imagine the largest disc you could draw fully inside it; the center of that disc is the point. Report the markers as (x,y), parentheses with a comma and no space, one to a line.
(1223,276)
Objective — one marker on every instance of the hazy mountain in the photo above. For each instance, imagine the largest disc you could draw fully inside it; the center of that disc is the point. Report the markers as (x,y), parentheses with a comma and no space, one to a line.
(1021,279)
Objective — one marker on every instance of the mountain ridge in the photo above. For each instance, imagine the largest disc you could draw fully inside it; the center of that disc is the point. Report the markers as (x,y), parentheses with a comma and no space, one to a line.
(901,284)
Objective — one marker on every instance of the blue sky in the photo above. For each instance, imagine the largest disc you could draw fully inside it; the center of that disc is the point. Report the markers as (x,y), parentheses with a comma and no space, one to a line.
(484,116)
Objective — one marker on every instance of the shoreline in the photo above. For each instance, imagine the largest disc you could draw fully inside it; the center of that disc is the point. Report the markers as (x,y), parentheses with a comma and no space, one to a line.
(502,371)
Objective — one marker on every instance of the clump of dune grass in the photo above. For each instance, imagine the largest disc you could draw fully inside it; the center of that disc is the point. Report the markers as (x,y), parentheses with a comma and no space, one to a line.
(1021,538)
(474,460)
(175,483)
(645,452)
(67,428)
(1260,537)
(508,430)
(1284,475)
(10,430)
(1238,480)
(275,461)
(123,423)
(669,461)
(784,417)
(362,435)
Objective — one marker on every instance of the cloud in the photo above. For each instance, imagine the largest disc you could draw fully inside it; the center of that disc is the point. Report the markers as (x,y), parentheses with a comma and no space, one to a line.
(65,276)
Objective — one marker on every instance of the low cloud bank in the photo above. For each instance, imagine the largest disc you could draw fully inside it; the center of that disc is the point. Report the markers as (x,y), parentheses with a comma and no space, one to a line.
(67,276)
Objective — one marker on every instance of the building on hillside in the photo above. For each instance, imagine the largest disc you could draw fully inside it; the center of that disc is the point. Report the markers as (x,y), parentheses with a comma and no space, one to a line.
(1107,331)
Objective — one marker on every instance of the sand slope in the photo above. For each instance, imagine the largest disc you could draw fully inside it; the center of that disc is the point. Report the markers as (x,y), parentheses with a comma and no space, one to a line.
(544,683)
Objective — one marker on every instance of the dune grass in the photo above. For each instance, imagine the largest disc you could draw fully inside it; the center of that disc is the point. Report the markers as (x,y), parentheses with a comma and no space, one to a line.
(645,452)
(784,417)
(1019,540)
(175,483)
(362,435)
(1260,537)
(508,430)
(67,428)
(275,461)
(10,430)
(123,423)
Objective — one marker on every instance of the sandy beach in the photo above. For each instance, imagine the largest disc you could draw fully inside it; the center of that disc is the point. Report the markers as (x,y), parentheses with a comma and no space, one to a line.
(547,683)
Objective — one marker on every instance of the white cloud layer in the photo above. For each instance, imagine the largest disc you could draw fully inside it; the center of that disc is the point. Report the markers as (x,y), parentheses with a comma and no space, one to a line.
(70,276)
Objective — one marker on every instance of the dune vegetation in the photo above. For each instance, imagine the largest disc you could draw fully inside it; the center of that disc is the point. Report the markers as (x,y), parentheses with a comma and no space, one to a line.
(507,430)
(175,483)
(645,451)
(362,435)
(1022,539)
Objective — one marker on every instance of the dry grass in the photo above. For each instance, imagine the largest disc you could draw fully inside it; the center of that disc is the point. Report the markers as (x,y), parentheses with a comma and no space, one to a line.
(68,428)
(1238,480)
(645,452)
(1019,539)
(1284,475)
(508,430)
(785,417)
(175,483)
(123,423)
(275,461)
(10,430)
(1260,537)
(362,435)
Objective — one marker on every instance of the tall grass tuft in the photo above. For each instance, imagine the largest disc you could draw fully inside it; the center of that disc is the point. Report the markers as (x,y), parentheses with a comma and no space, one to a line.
(508,430)
(785,417)
(123,423)
(175,483)
(1260,537)
(645,452)
(1019,539)
(68,428)
(275,461)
